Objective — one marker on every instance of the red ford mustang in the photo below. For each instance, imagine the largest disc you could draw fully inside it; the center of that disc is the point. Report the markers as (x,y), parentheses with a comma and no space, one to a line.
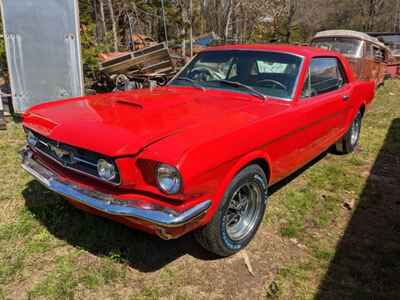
(199,153)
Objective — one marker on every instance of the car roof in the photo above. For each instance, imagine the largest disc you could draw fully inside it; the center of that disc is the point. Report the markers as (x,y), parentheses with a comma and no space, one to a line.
(305,51)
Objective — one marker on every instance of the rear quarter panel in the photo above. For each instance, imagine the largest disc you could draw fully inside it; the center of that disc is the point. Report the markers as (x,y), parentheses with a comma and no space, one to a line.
(362,91)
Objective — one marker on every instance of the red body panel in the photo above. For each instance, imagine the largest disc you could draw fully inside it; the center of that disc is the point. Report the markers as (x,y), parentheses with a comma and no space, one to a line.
(208,135)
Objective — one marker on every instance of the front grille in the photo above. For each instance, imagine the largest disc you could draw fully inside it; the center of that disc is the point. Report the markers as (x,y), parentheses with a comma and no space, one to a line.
(73,158)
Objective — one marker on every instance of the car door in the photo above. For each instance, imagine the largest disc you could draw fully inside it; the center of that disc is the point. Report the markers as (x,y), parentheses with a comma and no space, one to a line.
(323,106)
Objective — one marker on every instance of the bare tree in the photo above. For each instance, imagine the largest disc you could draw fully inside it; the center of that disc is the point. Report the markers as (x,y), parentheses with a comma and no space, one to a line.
(102,19)
(396,23)
(113,24)
(227,17)
(372,8)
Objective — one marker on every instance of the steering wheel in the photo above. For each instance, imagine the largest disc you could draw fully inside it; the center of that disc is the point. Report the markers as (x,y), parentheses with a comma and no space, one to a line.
(200,75)
(280,84)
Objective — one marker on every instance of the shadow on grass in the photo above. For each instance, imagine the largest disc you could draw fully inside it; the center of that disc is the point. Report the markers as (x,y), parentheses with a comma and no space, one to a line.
(103,237)
(366,264)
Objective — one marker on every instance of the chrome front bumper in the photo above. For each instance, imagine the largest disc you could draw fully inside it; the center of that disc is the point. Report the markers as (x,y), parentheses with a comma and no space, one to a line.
(108,204)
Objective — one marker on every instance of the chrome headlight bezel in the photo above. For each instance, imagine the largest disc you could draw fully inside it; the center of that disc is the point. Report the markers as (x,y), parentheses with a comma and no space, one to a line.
(169,179)
(31,138)
(106,170)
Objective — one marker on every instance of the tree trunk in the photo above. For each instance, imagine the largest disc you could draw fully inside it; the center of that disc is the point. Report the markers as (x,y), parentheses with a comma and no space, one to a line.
(292,5)
(191,27)
(97,21)
(374,8)
(102,20)
(114,25)
(244,32)
(185,22)
(228,19)
(140,22)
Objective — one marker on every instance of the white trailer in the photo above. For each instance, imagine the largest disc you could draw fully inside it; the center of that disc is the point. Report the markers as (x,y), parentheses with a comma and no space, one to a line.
(43,50)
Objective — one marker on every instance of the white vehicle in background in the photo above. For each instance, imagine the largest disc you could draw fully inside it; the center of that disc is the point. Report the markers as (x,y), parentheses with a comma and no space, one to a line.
(43,50)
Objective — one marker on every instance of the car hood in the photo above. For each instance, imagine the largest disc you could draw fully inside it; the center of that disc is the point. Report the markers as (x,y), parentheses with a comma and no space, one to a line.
(119,124)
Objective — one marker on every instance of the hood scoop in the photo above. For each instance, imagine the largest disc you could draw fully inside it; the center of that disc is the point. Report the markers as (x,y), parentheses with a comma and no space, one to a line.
(130,103)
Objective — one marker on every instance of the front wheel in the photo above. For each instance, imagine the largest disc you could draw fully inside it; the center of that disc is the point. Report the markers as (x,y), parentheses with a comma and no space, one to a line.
(349,141)
(239,215)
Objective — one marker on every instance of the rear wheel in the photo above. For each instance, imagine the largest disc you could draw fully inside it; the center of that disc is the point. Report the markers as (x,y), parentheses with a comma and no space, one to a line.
(350,140)
(239,215)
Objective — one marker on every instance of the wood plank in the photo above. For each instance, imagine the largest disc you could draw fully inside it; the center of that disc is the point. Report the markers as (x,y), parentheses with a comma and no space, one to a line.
(150,49)
(161,54)
(139,60)
(155,68)
(129,56)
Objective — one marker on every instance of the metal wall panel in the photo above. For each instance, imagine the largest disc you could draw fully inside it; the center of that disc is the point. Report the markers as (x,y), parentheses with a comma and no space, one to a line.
(43,50)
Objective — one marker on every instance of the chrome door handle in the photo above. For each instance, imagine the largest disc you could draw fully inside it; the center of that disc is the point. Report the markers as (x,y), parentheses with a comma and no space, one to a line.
(345,97)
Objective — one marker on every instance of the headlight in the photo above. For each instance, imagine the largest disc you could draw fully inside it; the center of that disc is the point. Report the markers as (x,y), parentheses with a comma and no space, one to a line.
(106,170)
(31,139)
(168,178)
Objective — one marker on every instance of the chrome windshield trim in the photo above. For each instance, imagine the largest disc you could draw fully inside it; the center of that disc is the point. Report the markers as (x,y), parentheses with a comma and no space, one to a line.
(108,204)
(296,83)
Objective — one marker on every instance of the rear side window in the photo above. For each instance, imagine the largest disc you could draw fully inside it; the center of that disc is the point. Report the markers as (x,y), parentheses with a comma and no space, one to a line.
(325,75)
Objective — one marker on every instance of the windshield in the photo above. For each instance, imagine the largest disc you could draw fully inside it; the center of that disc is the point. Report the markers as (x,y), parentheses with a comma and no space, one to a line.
(269,73)
(347,46)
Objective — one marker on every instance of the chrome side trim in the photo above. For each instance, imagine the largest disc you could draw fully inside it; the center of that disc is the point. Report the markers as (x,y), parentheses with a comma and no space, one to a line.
(160,216)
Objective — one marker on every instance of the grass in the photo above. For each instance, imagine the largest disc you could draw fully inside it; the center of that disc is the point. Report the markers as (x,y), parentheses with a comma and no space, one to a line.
(49,250)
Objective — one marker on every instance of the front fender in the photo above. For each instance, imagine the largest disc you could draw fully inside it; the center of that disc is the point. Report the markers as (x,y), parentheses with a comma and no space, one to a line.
(234,169)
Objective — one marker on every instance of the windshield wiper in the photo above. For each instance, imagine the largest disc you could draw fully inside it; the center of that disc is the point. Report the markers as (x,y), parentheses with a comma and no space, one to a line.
(196,84)
(249,88)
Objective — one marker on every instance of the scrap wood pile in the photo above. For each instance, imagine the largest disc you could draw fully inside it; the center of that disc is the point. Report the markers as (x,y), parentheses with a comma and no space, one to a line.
(137,68)
(148,62)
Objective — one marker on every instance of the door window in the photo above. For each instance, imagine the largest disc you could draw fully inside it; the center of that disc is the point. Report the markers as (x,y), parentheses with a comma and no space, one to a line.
(325,75)
(379,54)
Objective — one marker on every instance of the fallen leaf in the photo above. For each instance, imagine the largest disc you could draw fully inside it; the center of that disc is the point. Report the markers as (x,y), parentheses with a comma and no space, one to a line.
(247,262)
(297,243)
(349,204)
(273,290)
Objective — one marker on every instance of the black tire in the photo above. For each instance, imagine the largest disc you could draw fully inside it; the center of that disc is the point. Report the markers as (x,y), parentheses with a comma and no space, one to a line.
(349,141)
(217,236)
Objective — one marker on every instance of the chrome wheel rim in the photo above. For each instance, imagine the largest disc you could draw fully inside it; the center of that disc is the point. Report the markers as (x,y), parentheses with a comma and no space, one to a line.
(243,211)
(355,131)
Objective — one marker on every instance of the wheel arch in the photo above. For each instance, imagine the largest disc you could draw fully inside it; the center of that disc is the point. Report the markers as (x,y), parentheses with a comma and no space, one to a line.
(257,157)
(264,165)
(362,109)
